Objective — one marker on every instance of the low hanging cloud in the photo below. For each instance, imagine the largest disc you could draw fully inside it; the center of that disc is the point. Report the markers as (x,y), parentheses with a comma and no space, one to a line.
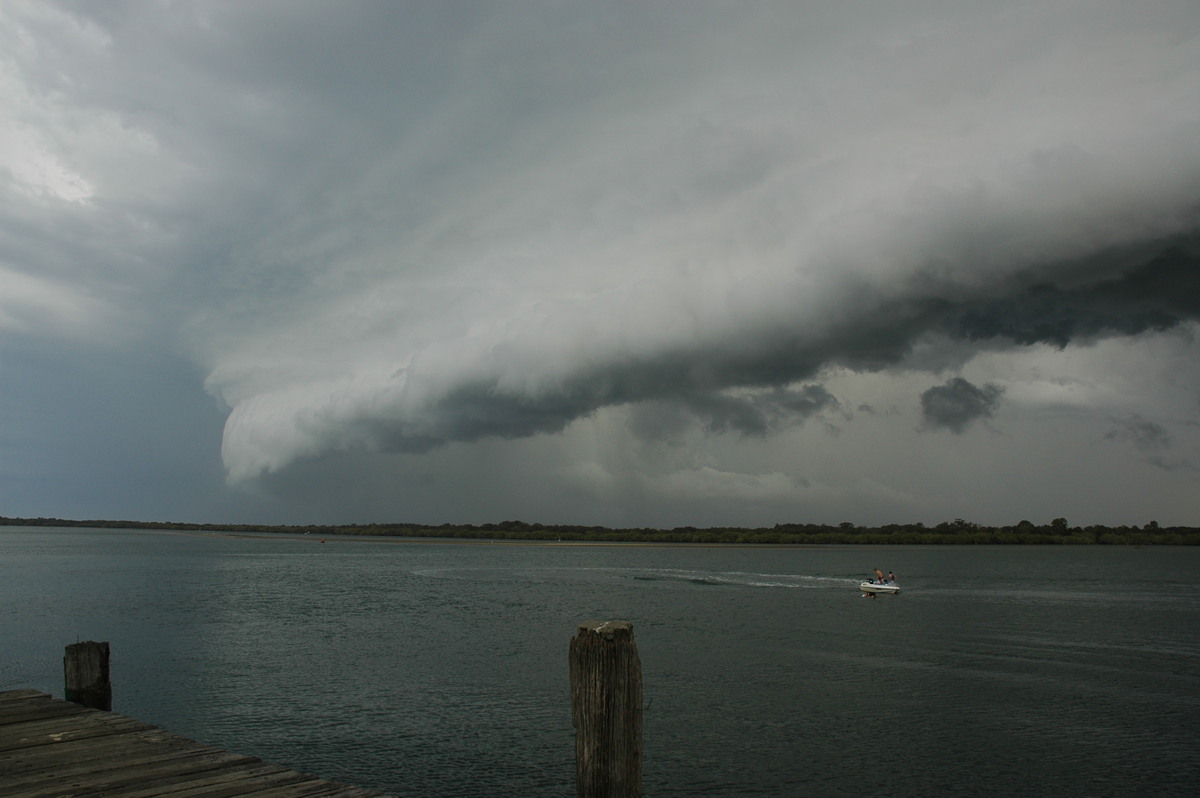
(750,414)
(958,404)
(761,413)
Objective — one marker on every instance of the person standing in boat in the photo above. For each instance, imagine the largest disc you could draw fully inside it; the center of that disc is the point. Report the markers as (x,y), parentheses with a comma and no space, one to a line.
(892,577)
(879,574)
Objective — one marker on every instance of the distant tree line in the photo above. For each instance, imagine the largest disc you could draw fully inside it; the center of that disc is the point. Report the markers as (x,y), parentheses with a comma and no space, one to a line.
(956,532)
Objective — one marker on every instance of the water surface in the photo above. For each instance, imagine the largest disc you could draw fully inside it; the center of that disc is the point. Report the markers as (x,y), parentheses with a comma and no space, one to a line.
(440,668)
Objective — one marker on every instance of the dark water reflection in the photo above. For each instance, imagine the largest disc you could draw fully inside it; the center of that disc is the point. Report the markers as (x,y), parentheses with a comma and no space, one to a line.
(440,669)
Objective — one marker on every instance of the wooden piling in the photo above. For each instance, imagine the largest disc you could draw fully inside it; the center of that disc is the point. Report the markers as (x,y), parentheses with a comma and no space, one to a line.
(606,697)
(85,667)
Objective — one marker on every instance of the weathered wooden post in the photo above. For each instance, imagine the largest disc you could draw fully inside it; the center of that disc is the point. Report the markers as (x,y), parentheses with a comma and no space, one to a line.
(606,699)
(86,668)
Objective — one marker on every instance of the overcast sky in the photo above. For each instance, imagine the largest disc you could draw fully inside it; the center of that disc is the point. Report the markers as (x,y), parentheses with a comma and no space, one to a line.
(632,264)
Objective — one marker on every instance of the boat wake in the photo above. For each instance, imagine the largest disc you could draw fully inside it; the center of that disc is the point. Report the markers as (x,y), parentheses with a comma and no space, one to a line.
(738,578)
(716,579)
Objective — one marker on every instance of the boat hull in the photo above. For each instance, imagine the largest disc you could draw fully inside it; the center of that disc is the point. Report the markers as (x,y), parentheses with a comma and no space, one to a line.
(872,588)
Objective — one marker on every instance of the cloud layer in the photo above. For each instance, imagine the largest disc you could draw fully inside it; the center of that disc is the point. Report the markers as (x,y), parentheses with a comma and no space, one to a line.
(704,221)
(402,227)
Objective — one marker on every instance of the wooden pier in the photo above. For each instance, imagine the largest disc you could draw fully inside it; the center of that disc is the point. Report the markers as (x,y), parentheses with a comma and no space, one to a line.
(53,749)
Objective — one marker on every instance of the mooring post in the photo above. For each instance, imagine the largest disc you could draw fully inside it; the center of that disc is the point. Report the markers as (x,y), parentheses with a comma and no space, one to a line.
(86,669)
(606,699)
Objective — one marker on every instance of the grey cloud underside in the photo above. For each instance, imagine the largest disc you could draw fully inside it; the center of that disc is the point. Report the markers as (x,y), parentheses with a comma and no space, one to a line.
(958,403)
(1151,439)
(760,413)
(1159,288)
(1146,435)
(1151,287)
(753,414)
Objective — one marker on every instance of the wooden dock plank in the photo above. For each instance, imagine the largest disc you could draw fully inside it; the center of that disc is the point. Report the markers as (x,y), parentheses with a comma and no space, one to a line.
(82,751)
(50,732)
(53,749)
(22,711)
(110,774)
(18,695)
(225,783)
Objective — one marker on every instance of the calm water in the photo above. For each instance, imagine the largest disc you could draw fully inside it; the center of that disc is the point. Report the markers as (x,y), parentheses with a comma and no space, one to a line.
(427,668)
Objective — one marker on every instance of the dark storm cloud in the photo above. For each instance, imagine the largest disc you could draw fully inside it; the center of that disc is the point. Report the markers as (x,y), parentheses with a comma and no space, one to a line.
(522,388)
(754,414)
(760,413)
(957,404)
(1154,288)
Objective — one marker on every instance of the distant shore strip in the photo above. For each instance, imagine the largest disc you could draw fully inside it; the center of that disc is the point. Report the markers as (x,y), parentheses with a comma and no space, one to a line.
(956,532)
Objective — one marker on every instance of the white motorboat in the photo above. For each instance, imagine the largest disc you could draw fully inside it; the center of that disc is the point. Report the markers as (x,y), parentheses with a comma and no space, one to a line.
(871,588)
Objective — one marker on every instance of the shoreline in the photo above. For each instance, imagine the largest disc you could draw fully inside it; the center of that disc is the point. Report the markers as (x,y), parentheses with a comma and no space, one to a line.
(517,533)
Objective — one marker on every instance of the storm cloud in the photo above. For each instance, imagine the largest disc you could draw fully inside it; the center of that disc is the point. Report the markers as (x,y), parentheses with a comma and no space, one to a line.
(957,404)
(751,413)
(403,230)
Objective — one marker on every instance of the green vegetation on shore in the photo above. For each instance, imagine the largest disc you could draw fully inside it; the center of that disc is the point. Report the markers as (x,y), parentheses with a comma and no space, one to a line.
(957,531)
